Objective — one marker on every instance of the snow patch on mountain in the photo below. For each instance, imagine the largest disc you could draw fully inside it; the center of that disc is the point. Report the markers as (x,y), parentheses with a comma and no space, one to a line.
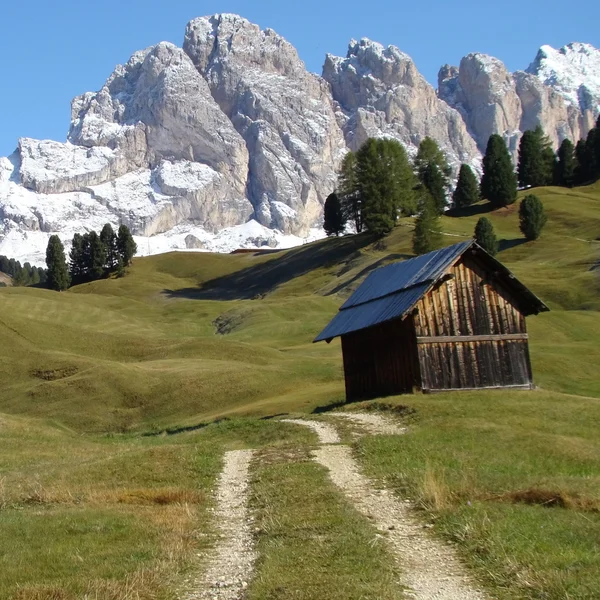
(573,70)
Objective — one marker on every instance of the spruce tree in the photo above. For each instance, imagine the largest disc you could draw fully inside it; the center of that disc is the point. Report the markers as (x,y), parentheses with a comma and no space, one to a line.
(565,166)
(96,259)
(467,188)
(349,193)
(532,217)
(109,240)
(433,172)
(385,184)
(126,245)
(58,274)
(536,159)
(499,180)
(485,236)
(582,162)
(427,235)
(77,260)
(592,144)
(334,221)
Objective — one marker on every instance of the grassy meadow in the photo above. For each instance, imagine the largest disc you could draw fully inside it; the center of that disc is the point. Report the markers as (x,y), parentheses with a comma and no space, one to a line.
(119,397)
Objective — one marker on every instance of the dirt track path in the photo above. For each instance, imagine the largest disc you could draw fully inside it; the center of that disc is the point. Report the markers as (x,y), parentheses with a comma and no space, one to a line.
(230,567)
(431,569)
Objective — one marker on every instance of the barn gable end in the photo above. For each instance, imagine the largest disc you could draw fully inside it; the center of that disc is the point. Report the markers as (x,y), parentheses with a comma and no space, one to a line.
(450,319)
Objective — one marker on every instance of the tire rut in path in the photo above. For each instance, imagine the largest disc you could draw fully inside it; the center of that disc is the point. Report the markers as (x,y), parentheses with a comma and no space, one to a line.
(430,569)
(325,432)
(231,562)
(373,423)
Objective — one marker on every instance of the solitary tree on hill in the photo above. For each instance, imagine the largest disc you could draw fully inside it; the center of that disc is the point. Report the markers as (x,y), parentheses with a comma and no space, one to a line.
(433,171)
(532,217)
(499,181)
(126,245)
(565,166)
(485,236)
(427,235)
(58,274)
(467,188)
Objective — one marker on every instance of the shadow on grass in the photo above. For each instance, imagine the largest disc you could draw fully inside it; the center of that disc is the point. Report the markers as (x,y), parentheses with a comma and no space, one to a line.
(471,211)
(508,244)
(258,280)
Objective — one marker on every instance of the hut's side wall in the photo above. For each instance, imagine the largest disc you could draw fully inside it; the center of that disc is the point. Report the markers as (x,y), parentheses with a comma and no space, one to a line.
(470,334)
(381,360)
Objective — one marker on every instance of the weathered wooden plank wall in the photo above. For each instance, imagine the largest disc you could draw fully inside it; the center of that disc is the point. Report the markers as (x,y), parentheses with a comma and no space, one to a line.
(495,352)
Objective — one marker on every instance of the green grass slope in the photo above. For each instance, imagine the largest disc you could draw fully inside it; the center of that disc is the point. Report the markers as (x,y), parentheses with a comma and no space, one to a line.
(186,338)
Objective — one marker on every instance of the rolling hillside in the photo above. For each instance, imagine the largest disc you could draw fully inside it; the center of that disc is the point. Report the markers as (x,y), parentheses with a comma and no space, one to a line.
(92,508)
(186,338)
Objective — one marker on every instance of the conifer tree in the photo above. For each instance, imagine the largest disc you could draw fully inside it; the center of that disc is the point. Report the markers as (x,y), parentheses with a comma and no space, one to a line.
(385,184)
(565,167)
(582,163)
(499,181)
(427,235)
(96,256)
(109,240)
(77,259)
(467,188)
(126,245)
(349,193)
(58,274)
(536,159)
(433,172)
(334,221)
(532,217)
(485,236)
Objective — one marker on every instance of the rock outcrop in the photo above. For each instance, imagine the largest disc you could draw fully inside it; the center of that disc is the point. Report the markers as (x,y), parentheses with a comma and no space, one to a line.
(284,113)
(380,92)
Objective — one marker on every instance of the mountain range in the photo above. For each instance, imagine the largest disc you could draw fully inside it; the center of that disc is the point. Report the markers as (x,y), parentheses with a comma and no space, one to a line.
(228,141)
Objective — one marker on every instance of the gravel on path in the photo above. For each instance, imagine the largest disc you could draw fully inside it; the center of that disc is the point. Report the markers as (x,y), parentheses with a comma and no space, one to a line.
(373,423)
(232,560)
(325,432)
(431,570)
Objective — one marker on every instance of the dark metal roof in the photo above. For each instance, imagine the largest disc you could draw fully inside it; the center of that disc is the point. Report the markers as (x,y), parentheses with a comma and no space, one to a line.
(374,312)
(402,275)
(391,292)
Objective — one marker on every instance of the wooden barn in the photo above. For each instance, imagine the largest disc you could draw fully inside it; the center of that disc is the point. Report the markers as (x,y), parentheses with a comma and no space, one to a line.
(450,319)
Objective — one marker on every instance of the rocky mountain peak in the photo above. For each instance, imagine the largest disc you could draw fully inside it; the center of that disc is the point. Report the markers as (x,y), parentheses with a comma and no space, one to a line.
(229,141)
(573,71)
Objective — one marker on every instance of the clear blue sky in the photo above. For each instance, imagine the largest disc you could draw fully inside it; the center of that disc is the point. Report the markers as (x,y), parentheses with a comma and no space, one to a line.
(52,51)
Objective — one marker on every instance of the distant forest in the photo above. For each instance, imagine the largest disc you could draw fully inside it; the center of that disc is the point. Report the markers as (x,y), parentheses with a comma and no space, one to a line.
(22,274)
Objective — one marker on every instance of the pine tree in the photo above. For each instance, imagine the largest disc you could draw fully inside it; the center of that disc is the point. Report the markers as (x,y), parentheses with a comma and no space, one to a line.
(334,221)
(592,144)
(77,265)
(532,217)
(385,184)
(536,159)
(349,193)
(109,240)
(96,258)
(485,236)
(433,172)
(582,162)
(499,181)
(58,274)
(467,188)
(126,245)
(565,167)
(427,235)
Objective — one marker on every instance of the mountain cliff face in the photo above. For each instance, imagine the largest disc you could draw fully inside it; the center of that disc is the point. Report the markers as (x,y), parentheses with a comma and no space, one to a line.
(229,141)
